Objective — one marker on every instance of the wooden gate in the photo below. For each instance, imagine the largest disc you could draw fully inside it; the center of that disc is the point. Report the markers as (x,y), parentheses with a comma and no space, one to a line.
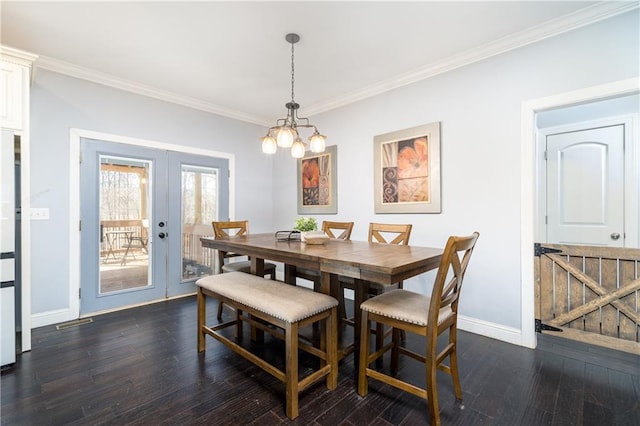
(590,294)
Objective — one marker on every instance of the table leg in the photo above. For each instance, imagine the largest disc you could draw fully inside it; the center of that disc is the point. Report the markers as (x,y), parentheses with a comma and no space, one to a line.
(257,268)
(361,292)
(290,274)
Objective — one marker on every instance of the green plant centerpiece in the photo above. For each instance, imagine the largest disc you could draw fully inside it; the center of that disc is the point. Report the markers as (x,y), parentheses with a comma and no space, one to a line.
(305,224)
(309,233)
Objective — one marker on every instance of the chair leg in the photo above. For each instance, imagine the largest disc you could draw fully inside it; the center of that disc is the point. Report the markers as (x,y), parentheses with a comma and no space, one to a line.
(432,390)
(396,337)
(363,385)
(220,307)
(379,342)
(453,361)
(202,313)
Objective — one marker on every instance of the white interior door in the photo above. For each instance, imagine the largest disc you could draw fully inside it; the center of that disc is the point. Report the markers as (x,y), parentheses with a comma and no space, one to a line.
(585,187)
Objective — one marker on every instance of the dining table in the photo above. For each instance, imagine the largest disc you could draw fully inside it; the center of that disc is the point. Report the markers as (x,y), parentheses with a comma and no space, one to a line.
(363,261)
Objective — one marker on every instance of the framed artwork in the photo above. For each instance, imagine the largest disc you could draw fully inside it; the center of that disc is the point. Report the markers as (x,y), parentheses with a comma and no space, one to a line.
(407,170)
(317,182)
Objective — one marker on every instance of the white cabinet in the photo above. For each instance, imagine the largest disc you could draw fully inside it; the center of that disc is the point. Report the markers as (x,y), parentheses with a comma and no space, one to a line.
(15,72)
(14,81)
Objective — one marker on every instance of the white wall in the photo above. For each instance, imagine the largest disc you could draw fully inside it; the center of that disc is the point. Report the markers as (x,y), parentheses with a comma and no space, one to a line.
(479,107)
(59,103)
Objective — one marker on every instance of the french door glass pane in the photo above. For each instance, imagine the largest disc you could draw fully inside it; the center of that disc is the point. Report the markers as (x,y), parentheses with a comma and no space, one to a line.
(125,207)
(199,208)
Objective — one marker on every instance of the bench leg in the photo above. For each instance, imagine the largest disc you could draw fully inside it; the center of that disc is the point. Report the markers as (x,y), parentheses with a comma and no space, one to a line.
(331,347)
(202,313)
(291,374)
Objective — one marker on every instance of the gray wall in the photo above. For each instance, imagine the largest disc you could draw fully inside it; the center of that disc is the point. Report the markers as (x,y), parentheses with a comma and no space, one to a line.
(59,103)
(479,107)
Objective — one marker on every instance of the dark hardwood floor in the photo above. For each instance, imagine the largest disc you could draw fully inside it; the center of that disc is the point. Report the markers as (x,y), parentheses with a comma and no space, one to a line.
(140,366)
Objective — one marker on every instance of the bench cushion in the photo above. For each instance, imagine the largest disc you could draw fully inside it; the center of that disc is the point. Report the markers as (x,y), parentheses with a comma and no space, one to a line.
(276,299)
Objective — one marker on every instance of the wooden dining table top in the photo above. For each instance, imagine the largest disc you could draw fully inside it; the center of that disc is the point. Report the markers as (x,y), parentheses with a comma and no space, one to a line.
(381,263)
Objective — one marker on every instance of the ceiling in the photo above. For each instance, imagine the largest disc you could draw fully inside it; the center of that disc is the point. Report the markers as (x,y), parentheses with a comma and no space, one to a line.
(231,57)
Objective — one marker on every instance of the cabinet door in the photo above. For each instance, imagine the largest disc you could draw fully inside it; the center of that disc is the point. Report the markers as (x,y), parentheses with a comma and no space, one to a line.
(13,80)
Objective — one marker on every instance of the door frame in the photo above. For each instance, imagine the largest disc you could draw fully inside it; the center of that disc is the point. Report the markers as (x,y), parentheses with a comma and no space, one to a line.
(631,189)
(528,179)
(74,196)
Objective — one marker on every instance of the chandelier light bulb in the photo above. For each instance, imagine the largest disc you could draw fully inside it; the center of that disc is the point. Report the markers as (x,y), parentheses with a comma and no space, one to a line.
(285,136)
(316,142)
(298,149)
(269,145)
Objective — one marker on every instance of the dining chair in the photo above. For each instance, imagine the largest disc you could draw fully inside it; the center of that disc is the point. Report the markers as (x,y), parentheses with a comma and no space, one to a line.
(226,230)
(381,233)
(427,316)
(335,230)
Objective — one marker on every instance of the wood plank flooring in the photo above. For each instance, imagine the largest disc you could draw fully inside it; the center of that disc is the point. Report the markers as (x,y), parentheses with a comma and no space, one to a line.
(140,366)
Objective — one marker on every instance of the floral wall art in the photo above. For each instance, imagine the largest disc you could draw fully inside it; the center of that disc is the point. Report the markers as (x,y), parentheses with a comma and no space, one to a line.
(317,182)
(407,170)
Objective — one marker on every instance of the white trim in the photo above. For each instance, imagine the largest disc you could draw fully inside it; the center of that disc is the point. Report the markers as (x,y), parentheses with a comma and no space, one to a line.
(51,317)
(586,16)
(490,329)
(94,76)
(25,220)
(18,57)
(74,201)
(528,208)
(631,171)
(135,305)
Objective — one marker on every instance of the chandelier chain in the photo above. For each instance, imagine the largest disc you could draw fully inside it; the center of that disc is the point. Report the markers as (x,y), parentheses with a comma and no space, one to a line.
(292,73)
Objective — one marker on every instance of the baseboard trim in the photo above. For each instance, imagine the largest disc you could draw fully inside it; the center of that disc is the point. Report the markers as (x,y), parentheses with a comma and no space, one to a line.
(491,329)
(51,317)
(63,315)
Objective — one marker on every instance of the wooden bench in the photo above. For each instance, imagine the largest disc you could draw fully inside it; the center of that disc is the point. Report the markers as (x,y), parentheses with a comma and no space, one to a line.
(262,302)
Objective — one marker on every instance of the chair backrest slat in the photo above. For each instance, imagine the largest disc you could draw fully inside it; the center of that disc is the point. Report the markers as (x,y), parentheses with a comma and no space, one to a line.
(453,266)
(389,233)
(229,229)
(331,228)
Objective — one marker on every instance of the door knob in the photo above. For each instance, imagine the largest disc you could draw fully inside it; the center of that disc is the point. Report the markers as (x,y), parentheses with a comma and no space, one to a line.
(161,224)
(615,236)
(162,235)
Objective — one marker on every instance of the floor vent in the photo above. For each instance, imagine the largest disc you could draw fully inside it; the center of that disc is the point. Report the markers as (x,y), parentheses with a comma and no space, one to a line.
(74,323)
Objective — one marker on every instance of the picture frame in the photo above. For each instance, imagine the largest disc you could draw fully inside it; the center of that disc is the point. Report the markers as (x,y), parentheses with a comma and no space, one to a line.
(317,181)
(407,170)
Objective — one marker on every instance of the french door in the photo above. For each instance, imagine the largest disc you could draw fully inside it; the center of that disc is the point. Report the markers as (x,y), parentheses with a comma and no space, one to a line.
(143,211)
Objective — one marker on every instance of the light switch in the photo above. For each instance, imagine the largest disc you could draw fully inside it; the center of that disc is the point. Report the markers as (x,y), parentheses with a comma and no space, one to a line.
(39,213)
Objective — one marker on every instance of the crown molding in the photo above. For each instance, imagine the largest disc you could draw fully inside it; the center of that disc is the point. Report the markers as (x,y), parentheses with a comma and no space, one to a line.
(88,74)
(578,19)
(20,57)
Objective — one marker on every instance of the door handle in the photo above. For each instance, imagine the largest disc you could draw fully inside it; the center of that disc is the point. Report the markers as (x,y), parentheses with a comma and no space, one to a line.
(615,236)
(163,235)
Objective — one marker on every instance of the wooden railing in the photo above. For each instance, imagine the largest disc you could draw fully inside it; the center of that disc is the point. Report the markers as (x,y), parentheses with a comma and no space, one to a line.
(196,260)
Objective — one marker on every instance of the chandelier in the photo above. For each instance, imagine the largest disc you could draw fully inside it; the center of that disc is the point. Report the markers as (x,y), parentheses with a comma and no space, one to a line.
(285,133)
